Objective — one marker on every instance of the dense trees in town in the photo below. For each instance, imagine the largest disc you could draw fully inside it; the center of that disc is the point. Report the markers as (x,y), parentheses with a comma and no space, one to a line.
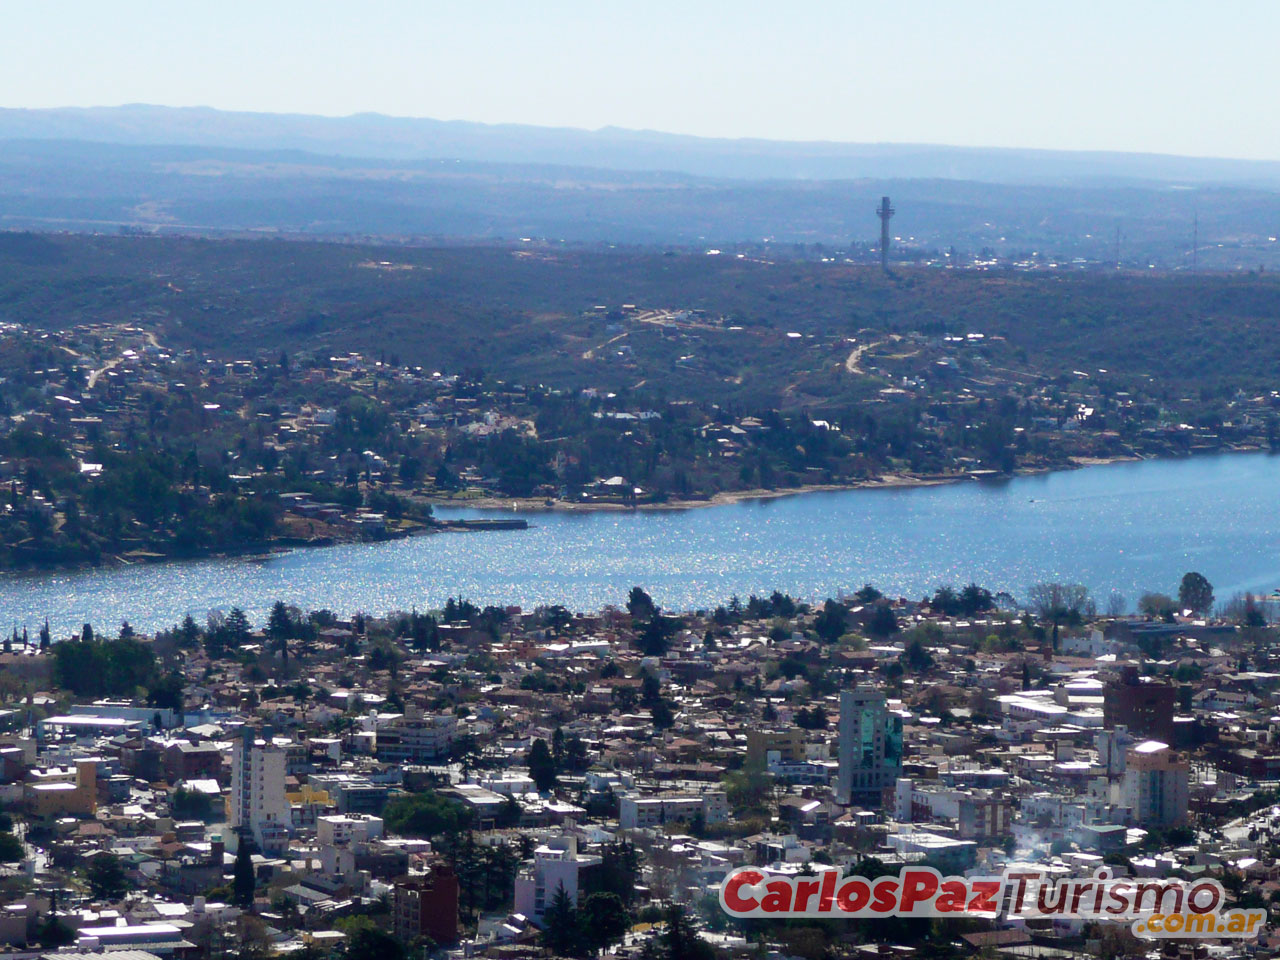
(96,667)
(573,930)
(426,815)
(969,601)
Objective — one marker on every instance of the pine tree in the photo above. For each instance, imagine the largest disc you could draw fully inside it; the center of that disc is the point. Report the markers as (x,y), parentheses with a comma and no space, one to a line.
(280,623)
(603,920)
(243,882)
(238,627)
(542,767)
(557,749)
(560,924)
(189,631)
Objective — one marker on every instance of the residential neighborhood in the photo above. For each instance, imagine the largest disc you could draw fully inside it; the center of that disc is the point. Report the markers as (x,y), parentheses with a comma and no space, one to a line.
(499,782)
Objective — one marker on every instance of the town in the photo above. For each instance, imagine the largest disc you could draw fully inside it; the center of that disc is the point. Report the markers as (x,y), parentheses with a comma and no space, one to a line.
(120,447)
(513,783)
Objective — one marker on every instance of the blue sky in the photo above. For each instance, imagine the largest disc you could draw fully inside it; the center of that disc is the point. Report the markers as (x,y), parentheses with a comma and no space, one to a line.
(1172,77)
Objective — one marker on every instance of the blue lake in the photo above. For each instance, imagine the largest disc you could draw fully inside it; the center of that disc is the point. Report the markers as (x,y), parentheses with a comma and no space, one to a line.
(1124,528)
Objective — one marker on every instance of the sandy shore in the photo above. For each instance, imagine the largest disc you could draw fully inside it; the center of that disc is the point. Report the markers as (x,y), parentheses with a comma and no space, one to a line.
(888,481)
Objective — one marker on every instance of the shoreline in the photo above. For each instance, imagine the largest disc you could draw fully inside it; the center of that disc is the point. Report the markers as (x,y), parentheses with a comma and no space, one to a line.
(892,481)
(268,550)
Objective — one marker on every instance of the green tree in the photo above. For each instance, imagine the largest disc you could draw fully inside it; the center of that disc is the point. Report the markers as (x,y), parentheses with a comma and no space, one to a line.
(427,815)
(916,658)
(1159,606)
(368,942)
(557,619)
(190,805)
(166,692)
(829,624)
(244,880)
(975,599)
(106,877)
(542,766)
(237,627)
(619,871)
(279,622)
(188,633)
(94,668)
(748,792)
(560,931)
(10,848)
(680,941)
(656,634)
(1195,593)
(575,755)
(640,605)
(603,919)
(882,621)
(52,932)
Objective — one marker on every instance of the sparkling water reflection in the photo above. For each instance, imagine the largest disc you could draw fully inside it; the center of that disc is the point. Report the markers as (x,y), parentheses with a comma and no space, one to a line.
(1124,527)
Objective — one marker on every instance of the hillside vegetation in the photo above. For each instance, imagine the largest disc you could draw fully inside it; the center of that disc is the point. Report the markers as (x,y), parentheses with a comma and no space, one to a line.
(527,313)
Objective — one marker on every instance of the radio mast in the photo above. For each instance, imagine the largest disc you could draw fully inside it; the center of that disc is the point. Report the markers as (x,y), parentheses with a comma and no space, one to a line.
(884,212)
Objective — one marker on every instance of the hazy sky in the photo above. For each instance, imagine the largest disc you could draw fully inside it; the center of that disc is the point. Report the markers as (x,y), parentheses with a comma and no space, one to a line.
(1170,76)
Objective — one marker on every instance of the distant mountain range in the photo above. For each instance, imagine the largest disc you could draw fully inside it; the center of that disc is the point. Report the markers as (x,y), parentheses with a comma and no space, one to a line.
(375,136)
(203,170)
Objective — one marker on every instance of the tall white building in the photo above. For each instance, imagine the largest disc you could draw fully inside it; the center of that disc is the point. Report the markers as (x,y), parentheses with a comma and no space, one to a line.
(870,739)
(257,801)
(555,864)
(1155,783)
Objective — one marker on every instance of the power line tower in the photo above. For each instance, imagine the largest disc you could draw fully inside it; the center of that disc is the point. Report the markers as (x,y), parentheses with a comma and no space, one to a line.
(884,212)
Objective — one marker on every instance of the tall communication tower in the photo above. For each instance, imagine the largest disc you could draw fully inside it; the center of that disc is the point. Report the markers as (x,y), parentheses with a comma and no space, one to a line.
(1195,243)
(884,212)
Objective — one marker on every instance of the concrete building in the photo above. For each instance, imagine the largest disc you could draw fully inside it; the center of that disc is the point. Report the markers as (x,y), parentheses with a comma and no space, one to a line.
(63,793)
(1154,786)
(427,904)
(257,802)
(1143,705)
(351,793)
(417,740)
(975,814)
(639,812)
(870,739)
(780,746)
(1113,748)
(555,864)
(340,830)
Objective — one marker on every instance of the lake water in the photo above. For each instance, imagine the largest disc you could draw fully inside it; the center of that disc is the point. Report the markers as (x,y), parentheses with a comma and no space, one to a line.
(1127,528)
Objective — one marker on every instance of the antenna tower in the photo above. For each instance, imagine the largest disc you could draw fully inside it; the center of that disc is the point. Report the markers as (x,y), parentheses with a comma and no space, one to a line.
(884,212)
(1195,242)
